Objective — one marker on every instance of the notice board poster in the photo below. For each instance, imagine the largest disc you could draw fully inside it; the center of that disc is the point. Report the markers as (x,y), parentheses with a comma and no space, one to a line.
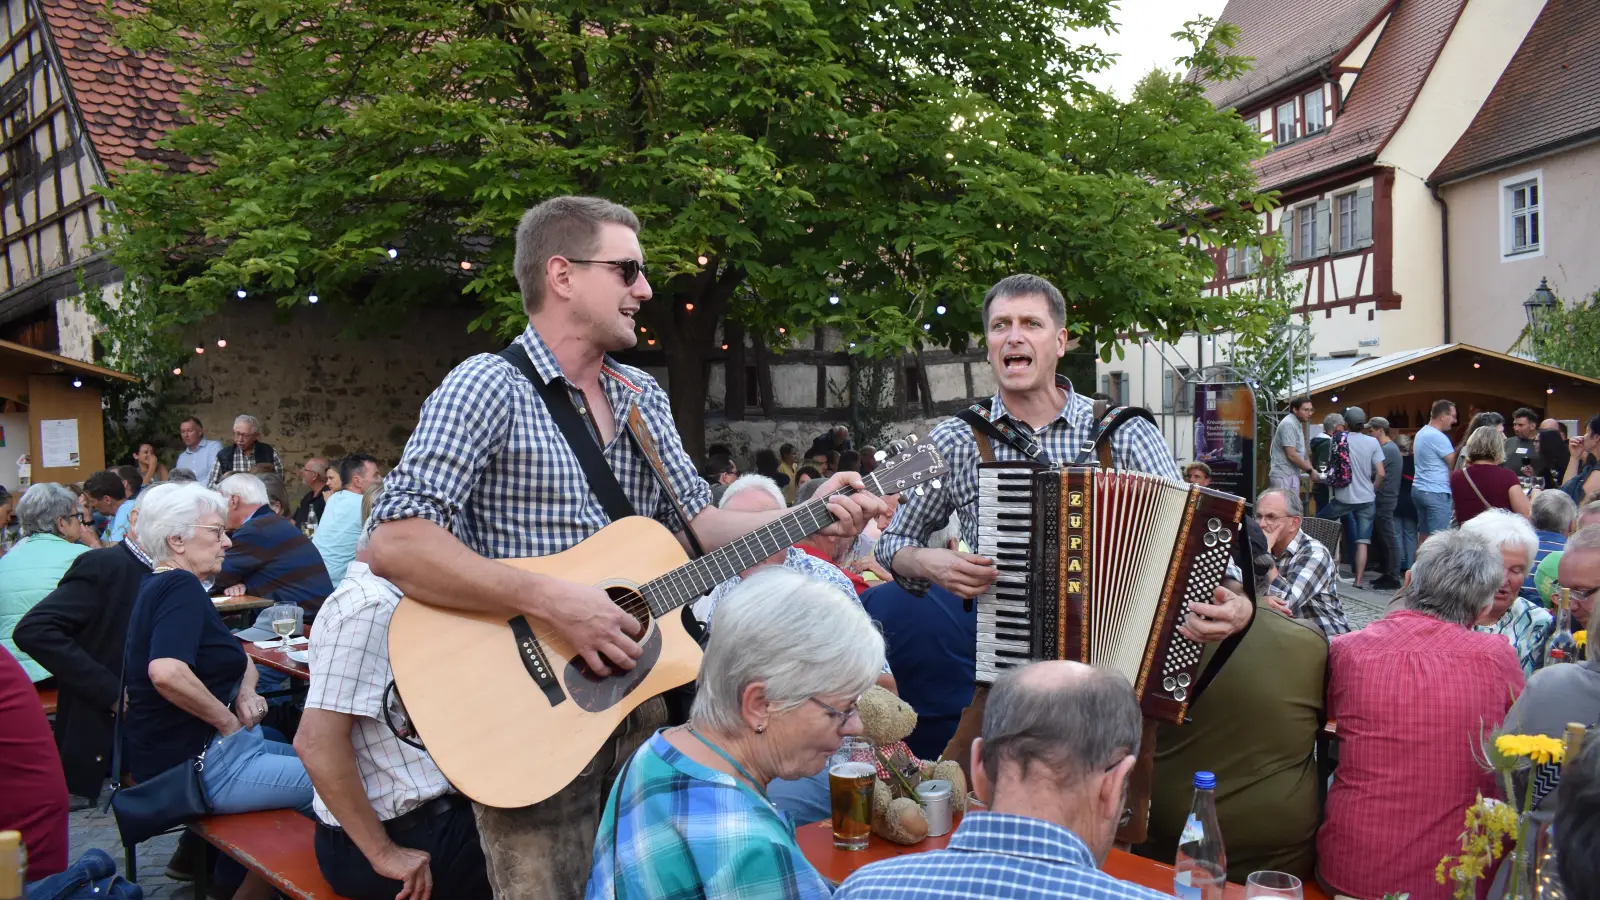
(1225,436)
(58,443)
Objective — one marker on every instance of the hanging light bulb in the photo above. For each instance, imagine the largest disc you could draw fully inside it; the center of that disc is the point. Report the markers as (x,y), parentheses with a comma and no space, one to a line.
(939,309)
(1334,399)
(77,382)
(834,299)
(651,342)
(926,327)
(1550,390)
(852,344)
(240,293)
(199,350)
(465,265)
(1411,376)
(724,346)
(393,253)
(688,307)
(703,260)
(783,330)
(221,342)
(312,298)
(178,371)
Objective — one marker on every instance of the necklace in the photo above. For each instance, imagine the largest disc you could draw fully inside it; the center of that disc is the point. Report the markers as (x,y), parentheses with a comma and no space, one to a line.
(760,788)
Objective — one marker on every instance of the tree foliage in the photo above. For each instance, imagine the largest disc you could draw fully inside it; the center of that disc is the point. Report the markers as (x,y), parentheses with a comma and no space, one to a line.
(899,157)
(1567,337)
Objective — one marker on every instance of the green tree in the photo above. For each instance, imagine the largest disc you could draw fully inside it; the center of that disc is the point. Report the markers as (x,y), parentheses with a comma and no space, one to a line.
(896,158)
(1567,337)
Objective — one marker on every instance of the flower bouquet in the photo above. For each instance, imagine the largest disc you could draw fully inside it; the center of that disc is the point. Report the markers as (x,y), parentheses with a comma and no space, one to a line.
(1489,822)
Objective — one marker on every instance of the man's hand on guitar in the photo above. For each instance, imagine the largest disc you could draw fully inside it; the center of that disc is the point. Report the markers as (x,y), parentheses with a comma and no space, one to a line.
(964,574)
(592,625)
(853,512)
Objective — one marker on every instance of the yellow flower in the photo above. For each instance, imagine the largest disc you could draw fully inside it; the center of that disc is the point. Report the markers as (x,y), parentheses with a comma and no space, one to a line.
(1582,638)
(1537,747)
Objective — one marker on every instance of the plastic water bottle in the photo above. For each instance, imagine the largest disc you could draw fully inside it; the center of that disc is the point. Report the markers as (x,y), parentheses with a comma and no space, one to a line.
(1202,863)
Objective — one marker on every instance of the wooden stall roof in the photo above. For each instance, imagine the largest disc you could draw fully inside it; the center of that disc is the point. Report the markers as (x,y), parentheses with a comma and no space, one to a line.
(1367,368)
(22,360)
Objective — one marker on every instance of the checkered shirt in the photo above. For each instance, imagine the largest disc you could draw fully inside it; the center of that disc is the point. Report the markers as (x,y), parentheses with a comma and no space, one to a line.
(685,830)
(1413,697)
(1308,581)
(1137,445)
(238,461)
(349,672)
(995,855)
(1525,625)
(489,464)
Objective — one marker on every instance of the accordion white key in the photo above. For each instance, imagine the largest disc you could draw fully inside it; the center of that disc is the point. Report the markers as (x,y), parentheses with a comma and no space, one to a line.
(1099,566)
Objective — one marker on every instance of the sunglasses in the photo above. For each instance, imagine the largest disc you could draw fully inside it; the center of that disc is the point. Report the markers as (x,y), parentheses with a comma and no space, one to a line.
(631,269)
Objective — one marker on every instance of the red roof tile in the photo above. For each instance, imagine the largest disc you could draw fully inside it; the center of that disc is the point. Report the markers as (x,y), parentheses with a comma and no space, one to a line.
(1548,96)
(1379,100)
(1288,39)
(119,94)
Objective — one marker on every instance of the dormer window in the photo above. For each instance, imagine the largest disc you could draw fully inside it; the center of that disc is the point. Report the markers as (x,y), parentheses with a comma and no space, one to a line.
(1315,120)
(1286,122)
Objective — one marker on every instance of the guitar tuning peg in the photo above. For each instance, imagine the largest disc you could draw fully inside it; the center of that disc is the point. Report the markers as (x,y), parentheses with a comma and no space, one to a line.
(935,484)
(880,456)
(911,438)
(920,490)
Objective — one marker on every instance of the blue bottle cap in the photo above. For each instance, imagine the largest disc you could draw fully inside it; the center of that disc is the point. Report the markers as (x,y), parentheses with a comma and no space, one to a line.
(1205,781)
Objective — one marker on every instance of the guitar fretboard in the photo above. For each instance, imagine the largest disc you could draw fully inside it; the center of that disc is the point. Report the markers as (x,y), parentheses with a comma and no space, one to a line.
(688,582)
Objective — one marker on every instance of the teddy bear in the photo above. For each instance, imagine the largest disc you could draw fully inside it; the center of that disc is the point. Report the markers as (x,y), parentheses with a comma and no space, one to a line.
(896,814)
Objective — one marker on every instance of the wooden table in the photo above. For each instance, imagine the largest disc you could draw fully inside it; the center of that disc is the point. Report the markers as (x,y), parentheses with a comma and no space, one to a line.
(816,842)
(229,606)
(276,659)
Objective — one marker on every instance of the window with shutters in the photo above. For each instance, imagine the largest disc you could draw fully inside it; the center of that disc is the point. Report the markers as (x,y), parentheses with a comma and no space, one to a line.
(1308,227)
(1286,122)
(1352,220)
(1522,205)
(1315,119)
(1243,261)
(1115,386)
(1177,393)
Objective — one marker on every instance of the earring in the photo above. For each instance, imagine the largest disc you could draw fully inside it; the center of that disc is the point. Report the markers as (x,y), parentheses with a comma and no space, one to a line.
(761,729)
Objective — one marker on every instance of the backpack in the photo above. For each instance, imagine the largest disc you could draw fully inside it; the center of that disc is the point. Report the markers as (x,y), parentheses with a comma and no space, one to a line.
(1339,468)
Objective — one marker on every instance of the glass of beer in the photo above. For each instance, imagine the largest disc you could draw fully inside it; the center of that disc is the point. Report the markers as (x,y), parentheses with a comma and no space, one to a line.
(850,790)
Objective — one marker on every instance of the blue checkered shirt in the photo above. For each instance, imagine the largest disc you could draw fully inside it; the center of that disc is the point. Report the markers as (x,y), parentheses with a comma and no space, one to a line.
(1137,445)
(488,463)
(1308,582)
(995,855)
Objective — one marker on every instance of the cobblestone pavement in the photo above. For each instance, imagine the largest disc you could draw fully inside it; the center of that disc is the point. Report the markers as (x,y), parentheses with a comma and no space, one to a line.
(92,828)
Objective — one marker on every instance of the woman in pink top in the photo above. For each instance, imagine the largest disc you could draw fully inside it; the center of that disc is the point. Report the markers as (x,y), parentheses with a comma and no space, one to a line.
(1414,693)
(1484,483)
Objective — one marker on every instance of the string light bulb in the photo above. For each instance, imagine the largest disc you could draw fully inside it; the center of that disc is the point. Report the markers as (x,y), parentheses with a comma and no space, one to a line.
(782,330)
(1334,399)
(1411,376)
(198,350)
(651,342)
(221,342)
(724,346)
(393,253)
(77,382)
(178,371)
(688,307)
(312,298)
(240,293)
(466,265)
(926,327)
(939,309)
(1477,365)
(834,299)
(1550,390)
(703,259)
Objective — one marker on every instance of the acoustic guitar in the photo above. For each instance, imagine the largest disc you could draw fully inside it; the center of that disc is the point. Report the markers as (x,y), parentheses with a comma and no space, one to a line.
(511,715)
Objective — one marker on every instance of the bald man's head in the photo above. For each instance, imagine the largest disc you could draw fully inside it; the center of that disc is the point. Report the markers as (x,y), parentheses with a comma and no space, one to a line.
(1066,718)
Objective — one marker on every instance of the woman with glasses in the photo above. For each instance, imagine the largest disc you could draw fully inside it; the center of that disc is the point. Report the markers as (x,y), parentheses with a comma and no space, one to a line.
(52,537)
(689,814)
(191,688)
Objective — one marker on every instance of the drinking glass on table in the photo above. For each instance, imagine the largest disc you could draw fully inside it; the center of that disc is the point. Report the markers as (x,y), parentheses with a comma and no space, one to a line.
(850,795)
(1272,884)
(285,618)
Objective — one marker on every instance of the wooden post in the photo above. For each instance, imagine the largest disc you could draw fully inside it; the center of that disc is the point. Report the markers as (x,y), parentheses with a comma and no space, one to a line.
(733,375)
(769,402)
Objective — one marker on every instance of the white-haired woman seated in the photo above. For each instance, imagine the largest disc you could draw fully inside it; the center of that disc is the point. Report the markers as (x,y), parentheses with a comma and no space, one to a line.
(1524,624)
(52,535)
(689,815)
(190,686)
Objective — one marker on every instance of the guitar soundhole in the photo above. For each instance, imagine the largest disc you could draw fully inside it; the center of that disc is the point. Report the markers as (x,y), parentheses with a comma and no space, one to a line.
(594,693)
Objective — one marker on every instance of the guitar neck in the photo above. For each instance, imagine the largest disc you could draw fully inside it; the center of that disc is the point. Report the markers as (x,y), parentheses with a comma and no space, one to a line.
(692,580)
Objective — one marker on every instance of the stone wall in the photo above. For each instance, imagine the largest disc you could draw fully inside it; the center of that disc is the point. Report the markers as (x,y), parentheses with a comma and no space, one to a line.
(315,392)
(745,438)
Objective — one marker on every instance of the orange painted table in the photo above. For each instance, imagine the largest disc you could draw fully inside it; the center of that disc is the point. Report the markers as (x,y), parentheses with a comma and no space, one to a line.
(816,842)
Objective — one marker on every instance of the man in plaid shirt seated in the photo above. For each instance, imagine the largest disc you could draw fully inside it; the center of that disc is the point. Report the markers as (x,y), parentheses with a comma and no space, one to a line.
(1059,739)
(1308,582)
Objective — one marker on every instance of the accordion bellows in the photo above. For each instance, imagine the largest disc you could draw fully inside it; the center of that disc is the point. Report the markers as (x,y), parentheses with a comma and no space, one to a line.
(1099,566)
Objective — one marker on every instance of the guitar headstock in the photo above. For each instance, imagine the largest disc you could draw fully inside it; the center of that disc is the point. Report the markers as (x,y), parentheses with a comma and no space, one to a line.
(906,466)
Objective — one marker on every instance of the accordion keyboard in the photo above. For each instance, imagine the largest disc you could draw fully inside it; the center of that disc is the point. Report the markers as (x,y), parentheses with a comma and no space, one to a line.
(1005,517)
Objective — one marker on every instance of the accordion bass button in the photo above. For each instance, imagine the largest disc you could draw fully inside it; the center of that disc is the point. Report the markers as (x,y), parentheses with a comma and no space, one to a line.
(1180,695)
(1183,679)
(1169,684)
(1211,539)
(1214,524)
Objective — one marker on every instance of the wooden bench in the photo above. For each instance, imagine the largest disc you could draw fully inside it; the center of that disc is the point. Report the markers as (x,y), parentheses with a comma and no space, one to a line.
(274,843)
(47,699)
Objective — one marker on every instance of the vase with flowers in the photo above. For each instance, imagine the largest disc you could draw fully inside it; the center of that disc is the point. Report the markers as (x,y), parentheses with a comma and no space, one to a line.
(1516,759)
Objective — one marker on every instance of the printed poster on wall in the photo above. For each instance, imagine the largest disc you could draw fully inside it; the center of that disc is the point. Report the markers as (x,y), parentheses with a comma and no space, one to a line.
(58,443)
(1225,436)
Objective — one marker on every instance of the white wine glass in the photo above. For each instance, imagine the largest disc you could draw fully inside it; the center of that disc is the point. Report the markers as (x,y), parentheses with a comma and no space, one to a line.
(1273,884)
(285,617)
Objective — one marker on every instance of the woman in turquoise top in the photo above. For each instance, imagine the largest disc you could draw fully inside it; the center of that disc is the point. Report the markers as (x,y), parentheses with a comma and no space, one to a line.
(52,526)
(689,815)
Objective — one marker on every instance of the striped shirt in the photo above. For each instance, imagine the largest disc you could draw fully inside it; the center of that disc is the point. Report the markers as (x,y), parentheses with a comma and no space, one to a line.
(685,830)
(274,561)
(995,855)
(1137,445)
(487,462)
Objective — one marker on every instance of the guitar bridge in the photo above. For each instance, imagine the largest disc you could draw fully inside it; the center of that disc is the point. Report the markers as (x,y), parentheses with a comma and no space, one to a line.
(534,660)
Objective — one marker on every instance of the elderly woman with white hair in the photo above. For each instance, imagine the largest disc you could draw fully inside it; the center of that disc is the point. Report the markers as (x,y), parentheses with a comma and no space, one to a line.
(190,686)
(1524,624)
(1484,482)
(1411,693)
(52,532)
(689,815)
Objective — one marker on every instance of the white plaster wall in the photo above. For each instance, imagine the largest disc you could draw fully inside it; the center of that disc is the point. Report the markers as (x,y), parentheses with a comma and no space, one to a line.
(1487,287)
(1357,57)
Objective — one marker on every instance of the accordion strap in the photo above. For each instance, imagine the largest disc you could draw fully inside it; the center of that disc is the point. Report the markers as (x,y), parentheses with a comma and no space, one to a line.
(986,431)
(1098,444)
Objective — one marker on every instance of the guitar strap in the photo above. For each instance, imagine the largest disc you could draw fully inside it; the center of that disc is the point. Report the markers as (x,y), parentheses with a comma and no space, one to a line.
(591,458)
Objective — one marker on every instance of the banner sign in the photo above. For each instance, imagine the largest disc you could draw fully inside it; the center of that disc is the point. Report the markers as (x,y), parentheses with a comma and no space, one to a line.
(1225,436)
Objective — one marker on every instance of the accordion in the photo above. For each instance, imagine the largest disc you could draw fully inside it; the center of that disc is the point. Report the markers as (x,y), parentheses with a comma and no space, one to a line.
(1099,566)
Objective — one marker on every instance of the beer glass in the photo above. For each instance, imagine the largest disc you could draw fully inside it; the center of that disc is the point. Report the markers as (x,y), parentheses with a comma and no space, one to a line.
(850,792)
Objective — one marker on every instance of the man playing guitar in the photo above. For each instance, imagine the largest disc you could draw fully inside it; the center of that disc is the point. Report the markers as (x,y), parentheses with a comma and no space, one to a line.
(489,475)
(1025,327)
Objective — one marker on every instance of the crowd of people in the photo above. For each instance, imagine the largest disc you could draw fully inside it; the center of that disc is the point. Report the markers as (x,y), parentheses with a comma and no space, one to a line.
(110,594)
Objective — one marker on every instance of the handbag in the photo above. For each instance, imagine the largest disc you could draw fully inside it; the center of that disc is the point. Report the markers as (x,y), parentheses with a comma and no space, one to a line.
(156,805)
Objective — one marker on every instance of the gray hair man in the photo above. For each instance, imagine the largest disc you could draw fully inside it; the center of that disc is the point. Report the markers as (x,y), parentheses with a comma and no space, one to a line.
(1579,573)
(1424,656)
(1524,624)
(1059,741)
(247,452)
(1307,586)
(270,558)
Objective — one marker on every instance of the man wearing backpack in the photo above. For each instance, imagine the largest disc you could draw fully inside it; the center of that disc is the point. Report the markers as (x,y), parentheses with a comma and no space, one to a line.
(1354,473)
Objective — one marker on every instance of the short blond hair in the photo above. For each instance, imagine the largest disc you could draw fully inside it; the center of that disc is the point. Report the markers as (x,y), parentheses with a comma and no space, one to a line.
(560,226)
(1487,443)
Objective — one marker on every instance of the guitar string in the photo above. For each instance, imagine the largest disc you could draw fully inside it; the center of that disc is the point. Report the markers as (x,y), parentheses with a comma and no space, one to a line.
(638,604)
